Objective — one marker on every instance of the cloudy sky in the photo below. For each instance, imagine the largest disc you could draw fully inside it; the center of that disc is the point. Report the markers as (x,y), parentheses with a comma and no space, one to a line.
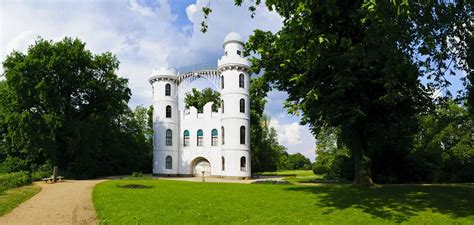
(148,34)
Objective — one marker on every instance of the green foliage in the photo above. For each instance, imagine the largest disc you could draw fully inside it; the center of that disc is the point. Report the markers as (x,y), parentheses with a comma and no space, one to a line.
(332,157)
(14,197)
(13,180)
(198,99)
(444,150)
(266,152)
(295,161)
(355,66)
(64,106)
(216,203)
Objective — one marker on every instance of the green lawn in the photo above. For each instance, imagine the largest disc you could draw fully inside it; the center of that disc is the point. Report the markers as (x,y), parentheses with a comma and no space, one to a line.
(303,176)
(290,173)
(12,198)
(181,202)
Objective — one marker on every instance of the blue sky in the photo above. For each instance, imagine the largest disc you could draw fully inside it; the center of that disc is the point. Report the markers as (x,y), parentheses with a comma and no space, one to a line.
(148,34)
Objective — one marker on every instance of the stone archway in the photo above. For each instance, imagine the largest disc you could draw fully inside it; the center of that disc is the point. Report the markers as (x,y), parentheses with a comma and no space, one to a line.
(200,165)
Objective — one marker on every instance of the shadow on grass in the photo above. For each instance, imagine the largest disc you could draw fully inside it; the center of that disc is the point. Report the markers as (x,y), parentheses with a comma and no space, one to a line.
(395,203)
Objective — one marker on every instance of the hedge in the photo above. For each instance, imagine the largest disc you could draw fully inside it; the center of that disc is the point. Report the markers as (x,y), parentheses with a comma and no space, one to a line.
(13,180)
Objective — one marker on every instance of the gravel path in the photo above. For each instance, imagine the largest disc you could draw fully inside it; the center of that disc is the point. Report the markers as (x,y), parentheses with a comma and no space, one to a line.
(68,202)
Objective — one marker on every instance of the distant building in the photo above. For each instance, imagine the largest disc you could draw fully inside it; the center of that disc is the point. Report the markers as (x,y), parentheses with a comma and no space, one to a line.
(188,143)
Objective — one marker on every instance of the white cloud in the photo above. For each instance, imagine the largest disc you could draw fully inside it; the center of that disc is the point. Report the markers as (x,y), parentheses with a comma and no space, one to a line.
(288,134)
(295,137)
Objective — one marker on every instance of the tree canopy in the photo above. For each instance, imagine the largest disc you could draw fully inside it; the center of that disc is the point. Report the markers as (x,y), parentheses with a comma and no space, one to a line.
(356,66)
(64,106)
(198,99)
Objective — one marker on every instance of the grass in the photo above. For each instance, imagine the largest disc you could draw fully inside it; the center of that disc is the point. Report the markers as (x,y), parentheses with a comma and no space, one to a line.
(13,197)
(290,173)
(303,176)
(179,202)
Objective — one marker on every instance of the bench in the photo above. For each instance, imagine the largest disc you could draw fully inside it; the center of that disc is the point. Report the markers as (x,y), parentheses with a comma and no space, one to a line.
(50,179)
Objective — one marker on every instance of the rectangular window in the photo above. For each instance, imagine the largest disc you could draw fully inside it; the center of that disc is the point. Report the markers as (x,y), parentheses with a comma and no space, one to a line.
(199,141)
(186,141)
(214,141)
(239,52)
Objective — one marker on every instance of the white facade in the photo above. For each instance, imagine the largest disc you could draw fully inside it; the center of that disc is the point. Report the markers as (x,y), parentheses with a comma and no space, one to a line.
(188,143)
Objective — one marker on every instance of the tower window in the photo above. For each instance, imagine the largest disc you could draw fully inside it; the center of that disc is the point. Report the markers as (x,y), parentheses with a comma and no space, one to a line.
(214,137)
(242,135)
(167,89)
(169,163)
(242,105)
(243,164)
(223,137)
(186,138)
(222,105)
(168,111)
(222,82)
(199,138)
(169,137)
(241,80)
(239,52)
(223,163)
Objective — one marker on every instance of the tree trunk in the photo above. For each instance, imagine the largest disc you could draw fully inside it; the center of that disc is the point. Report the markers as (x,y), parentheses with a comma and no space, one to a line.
(362,176)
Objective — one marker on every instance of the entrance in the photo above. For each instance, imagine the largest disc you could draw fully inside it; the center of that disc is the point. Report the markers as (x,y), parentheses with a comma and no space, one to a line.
(201,165)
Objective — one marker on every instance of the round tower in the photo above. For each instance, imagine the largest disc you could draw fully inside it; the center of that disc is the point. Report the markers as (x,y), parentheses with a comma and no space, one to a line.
(235,108)
(165,122)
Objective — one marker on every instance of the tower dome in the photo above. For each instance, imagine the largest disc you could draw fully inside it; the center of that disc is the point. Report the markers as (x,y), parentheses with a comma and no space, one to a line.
(233,37)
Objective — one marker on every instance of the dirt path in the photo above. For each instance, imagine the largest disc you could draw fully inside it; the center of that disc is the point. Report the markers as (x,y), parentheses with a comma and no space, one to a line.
(68,202)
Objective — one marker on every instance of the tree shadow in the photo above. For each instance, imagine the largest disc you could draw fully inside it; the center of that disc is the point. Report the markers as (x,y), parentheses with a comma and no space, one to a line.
(395,203)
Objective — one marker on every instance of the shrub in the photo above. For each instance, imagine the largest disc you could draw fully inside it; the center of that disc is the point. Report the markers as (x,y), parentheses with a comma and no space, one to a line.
(42,172)
(137,174)
(320,169)
(13,180)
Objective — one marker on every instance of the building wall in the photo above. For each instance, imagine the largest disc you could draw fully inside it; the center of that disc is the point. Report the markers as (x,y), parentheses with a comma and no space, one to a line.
(230,66)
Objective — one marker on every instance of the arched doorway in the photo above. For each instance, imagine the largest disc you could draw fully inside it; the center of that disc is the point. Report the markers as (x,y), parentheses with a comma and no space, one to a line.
(200,165)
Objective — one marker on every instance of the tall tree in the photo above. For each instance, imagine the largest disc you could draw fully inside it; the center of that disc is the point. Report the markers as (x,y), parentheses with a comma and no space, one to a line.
(64,105)
(356,66)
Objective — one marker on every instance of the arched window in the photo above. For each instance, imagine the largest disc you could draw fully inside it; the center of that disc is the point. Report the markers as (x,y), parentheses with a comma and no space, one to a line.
(241,80)
(222,105)
(169,137)
(222,82)
(223,137)
(168,111)
(214,137)
(199,138)
(186,138)
(243,164)
(242,135)
(169,163)
(242,105)
(167,89)
(223,163)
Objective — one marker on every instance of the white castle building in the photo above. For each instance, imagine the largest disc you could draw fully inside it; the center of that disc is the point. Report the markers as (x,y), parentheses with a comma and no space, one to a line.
(188,143)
